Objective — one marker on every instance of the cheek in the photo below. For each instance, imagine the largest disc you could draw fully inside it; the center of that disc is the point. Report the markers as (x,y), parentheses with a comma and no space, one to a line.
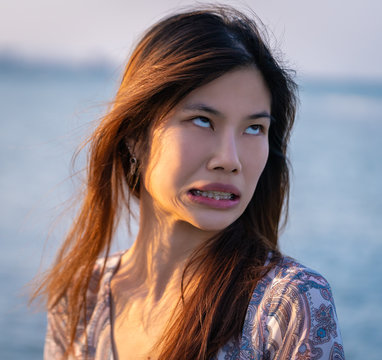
(170,158)
(264,156)
(257,162)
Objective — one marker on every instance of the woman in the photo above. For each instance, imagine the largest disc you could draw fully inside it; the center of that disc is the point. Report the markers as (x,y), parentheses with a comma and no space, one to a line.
(198,133)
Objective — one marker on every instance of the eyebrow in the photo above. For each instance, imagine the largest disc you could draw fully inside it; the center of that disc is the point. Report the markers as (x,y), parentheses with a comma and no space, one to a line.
(210,110)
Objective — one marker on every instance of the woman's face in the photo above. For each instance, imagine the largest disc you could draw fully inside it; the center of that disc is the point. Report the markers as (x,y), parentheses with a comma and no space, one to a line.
(207,155)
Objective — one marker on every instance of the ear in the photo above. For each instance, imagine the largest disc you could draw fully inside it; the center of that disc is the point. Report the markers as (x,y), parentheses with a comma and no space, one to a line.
(130,143)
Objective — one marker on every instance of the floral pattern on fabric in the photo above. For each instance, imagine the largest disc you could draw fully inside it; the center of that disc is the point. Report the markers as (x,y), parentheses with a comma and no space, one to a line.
(291,315)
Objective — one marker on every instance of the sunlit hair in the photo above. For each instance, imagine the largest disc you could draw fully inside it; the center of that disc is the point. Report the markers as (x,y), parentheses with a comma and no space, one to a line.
(176,56)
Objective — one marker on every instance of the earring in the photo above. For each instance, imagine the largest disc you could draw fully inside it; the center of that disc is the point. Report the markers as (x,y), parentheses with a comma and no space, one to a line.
(133,162)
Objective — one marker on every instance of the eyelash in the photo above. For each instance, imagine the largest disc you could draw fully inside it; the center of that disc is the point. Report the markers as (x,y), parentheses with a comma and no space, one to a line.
(207,121)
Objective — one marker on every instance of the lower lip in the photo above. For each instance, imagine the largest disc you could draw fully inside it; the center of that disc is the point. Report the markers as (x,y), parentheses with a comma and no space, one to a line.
(213,203)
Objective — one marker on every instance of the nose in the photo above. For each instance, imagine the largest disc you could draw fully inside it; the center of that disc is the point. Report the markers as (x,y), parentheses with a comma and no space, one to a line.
(225,155)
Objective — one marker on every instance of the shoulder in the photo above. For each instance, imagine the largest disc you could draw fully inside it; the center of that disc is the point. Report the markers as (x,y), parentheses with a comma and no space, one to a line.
(103,270)
(56,339)
(289,280)
(290,276)
(292,312)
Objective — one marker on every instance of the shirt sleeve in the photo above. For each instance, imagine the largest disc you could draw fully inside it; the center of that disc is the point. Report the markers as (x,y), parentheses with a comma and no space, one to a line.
(299,319)
(56,338)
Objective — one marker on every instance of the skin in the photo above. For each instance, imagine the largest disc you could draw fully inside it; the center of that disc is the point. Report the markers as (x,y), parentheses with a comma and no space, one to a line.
(217,134)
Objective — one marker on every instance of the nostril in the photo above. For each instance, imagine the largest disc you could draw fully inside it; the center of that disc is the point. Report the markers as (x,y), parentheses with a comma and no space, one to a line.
(222,168)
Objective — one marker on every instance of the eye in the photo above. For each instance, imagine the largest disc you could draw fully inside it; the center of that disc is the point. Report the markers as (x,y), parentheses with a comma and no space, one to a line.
(254,129)
(202,122)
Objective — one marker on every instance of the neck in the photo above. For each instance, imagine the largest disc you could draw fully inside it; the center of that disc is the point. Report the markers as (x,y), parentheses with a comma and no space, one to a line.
(161,251)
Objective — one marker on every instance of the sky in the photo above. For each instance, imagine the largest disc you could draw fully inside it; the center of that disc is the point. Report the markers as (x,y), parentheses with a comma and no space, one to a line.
(329,38)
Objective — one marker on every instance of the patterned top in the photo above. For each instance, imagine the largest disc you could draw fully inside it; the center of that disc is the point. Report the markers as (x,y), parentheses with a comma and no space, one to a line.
(291,316)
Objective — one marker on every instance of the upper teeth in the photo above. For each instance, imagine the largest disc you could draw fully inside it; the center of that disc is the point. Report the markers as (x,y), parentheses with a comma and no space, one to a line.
(217,195)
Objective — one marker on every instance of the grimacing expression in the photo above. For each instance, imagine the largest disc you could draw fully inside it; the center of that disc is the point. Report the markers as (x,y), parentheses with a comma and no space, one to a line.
(207,155)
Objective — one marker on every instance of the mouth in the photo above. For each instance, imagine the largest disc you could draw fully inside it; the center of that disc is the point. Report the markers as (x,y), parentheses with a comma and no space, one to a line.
(213,194)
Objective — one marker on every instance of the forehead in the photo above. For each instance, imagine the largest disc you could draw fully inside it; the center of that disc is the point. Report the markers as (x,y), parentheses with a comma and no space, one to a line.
(240,90)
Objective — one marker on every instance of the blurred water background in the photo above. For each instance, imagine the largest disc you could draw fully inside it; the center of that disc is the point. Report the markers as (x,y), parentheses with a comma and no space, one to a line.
(335,222)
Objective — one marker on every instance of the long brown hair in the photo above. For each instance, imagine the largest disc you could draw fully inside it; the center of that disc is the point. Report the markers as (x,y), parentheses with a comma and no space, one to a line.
(176,56)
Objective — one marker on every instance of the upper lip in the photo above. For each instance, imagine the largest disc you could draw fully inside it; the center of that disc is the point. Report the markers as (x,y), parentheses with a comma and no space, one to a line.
(228,188)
